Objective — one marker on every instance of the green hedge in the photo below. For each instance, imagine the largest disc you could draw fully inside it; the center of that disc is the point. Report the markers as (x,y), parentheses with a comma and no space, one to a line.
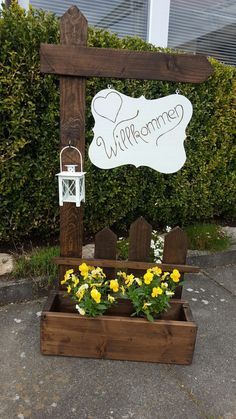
(204,189)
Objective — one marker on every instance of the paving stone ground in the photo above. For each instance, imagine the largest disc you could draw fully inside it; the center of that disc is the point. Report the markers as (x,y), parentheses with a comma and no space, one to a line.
(44,387)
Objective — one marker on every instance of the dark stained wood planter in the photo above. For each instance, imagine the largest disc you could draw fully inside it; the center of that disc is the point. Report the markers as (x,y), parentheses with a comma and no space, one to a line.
(116,335)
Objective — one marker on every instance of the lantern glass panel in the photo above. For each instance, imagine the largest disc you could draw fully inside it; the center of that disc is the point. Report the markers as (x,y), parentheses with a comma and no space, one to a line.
(68,188)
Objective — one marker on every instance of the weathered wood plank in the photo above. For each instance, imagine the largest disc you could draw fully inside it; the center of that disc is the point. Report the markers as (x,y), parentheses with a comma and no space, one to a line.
(140,240)
(175,251)
(124,264)
(105,248)
(107,62)
(73,30)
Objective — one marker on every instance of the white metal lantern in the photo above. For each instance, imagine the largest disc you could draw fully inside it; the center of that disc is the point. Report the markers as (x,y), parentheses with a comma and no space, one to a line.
(71,183)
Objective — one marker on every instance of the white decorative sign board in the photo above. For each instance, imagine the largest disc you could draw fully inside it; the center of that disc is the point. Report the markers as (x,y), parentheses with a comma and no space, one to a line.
(139,131)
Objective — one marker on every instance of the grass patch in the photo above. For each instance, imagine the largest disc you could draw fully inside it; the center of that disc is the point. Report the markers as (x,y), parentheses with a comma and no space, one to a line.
(207,237)
(38,263)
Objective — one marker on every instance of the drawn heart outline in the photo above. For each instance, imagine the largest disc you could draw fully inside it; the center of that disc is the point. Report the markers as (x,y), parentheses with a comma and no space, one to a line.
(113,106)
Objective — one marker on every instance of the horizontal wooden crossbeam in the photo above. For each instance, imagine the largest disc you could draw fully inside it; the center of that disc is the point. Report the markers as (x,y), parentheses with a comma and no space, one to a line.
(124,264)
(73,60)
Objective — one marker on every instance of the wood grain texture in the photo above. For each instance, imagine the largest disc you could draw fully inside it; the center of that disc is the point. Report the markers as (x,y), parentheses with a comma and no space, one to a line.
(105,248)
(118,63)
(124,264)
(140,240)
(175,251)
(118,337)
(73,31)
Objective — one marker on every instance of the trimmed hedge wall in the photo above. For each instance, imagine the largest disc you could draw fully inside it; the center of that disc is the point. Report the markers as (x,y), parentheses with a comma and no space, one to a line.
(202,190)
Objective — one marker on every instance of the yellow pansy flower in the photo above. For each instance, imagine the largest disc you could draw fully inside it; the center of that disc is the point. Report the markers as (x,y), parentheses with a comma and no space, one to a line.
(114,285)
(156,270)
(63,281)
(139,281)
(75,280)
(122,289)
(67,276)
(129,280)
(164,285)
(175,276)
(165,274)
(98,272)
(70,271)
(156,291)
(81,291)
(84,269)
(170,293)
(146,305)
(96,295)
(110,298)
(80,294)
(148,277)
(69,289)
(122,274)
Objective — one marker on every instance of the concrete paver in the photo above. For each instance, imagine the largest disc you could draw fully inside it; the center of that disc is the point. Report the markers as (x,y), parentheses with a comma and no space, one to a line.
(41,387)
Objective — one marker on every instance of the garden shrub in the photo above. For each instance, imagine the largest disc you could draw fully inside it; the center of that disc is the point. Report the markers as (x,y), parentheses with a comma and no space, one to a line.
(204,189)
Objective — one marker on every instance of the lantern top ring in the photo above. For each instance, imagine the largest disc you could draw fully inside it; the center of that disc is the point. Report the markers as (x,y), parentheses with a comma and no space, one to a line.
(74,148)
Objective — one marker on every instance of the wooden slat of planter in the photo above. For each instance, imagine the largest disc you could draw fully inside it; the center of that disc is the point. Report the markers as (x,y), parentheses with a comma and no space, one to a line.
(107,62)
(118,338)
(73,31)
(123,264)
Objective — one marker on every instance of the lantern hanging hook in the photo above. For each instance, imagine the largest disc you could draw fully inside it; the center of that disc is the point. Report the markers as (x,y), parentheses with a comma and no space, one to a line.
(177,91)
(74,148)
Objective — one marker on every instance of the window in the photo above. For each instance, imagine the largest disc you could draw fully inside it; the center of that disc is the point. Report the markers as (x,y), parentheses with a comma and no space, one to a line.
(204,27)
(124,17)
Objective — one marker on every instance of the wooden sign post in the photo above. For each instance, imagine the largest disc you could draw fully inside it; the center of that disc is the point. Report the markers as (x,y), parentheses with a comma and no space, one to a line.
(73,31)
(73,58)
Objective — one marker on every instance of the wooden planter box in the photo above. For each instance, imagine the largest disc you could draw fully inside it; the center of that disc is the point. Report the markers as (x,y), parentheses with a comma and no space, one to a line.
(116,335)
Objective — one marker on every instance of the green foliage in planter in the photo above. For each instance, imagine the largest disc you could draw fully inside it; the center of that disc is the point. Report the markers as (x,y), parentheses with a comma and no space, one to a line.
(29,113)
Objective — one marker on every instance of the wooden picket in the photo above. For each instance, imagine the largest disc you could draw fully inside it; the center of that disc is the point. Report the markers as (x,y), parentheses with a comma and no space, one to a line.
(175,251)
(105,248)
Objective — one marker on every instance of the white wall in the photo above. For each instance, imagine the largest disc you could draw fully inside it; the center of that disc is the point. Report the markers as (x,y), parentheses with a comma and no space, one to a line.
(158,18)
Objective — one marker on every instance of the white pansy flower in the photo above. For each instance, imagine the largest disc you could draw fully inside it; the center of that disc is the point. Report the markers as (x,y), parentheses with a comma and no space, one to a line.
(80,310)
(170,293)
(83,287)
(138,280)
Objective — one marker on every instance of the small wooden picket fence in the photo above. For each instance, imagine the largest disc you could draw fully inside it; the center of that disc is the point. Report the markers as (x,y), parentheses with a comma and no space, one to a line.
(105,254)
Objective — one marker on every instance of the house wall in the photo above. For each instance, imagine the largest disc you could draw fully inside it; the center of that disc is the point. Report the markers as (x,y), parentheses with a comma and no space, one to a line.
(198,26)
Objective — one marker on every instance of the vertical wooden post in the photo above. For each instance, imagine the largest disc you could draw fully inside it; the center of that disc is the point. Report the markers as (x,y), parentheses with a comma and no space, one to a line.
(175,251)
(73,31)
